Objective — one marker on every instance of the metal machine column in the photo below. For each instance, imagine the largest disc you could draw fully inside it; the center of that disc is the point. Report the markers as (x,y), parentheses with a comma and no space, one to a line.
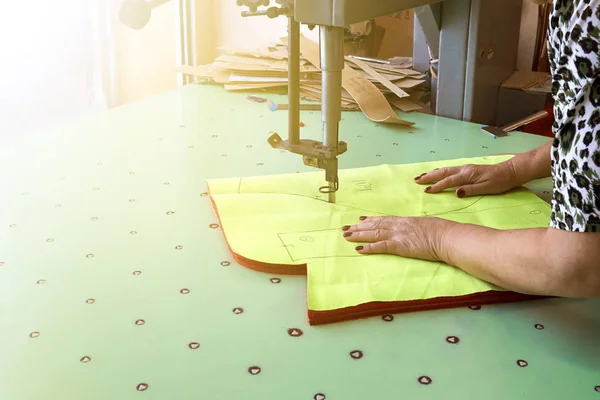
(492,51)
(478,43)
(332,64)
(293,80)
(454,37)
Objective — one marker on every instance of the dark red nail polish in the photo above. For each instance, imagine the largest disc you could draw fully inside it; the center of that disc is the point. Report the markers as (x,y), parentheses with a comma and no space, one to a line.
(359,248)
(347,234)
(428,189)
(460,193)
(345,227)
(362,218)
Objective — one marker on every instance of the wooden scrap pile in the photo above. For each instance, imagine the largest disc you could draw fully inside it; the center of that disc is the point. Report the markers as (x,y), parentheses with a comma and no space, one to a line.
(266,70)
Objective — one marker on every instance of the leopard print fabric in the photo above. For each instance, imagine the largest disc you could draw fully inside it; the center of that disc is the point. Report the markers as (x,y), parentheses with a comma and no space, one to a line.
(573,44)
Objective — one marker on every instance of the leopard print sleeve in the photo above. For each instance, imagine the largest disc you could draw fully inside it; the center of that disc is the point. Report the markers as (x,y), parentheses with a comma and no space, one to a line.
(573,44)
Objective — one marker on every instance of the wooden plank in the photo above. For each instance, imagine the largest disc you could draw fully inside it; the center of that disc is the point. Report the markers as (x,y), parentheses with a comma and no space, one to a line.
(404,104)
(370,100)
(381,79)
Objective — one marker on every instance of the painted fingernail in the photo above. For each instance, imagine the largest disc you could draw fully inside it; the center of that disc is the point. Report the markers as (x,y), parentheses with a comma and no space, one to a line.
(347,234)
(345,227)
(460,193)
(359,248)
(428,189)
(419,177)
(362,218)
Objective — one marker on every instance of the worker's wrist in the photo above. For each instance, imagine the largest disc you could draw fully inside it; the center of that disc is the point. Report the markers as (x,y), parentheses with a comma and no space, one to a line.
(523,168)
(517,172)
(444,242)
(532,165)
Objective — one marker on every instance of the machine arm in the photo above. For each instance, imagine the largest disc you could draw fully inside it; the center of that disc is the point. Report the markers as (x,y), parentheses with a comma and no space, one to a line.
(331,16)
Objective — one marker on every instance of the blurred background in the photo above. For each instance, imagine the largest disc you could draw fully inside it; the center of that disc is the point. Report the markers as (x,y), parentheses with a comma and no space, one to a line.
(64,59)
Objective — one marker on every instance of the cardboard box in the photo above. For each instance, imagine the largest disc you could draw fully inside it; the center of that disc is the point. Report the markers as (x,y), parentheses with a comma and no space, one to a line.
(398,33)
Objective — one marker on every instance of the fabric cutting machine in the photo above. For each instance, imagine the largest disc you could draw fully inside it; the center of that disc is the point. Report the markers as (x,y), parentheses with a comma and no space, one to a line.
(474,45)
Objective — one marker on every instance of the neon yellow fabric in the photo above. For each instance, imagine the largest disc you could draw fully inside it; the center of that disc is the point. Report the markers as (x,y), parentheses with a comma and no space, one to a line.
(282,219)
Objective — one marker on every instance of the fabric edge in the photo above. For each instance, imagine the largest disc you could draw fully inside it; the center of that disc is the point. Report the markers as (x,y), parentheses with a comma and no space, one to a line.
(279,269)
(374,309)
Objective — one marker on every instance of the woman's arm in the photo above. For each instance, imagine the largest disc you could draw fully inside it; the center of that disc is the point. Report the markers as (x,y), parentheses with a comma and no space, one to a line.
(476,180)
(543,261)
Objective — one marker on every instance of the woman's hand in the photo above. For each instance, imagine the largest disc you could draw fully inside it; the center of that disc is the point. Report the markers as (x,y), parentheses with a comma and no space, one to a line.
(472,180)
(415,237)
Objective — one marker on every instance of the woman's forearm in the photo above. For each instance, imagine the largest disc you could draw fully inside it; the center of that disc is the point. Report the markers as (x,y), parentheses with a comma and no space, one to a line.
(534,164)
(542,261)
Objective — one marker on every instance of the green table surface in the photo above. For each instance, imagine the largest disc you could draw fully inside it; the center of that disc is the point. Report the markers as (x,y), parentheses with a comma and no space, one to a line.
(104,223)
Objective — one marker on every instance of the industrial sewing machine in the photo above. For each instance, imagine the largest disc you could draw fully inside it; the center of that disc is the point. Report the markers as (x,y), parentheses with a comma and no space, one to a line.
(331,17)
(473,43)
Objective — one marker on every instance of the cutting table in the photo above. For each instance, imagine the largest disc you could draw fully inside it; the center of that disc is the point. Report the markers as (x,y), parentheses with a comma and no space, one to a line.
(116,282)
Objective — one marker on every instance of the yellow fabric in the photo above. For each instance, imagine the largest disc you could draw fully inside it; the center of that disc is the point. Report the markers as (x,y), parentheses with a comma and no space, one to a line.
(283,219)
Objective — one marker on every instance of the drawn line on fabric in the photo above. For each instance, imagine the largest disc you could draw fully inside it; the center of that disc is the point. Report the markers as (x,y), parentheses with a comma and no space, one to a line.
(379,213)
(317,257)
(307,245)
(301,235)
(311,198)
(462,210)
(431,280)
(305,240)
(312,230)
(286,248)
(457,210)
